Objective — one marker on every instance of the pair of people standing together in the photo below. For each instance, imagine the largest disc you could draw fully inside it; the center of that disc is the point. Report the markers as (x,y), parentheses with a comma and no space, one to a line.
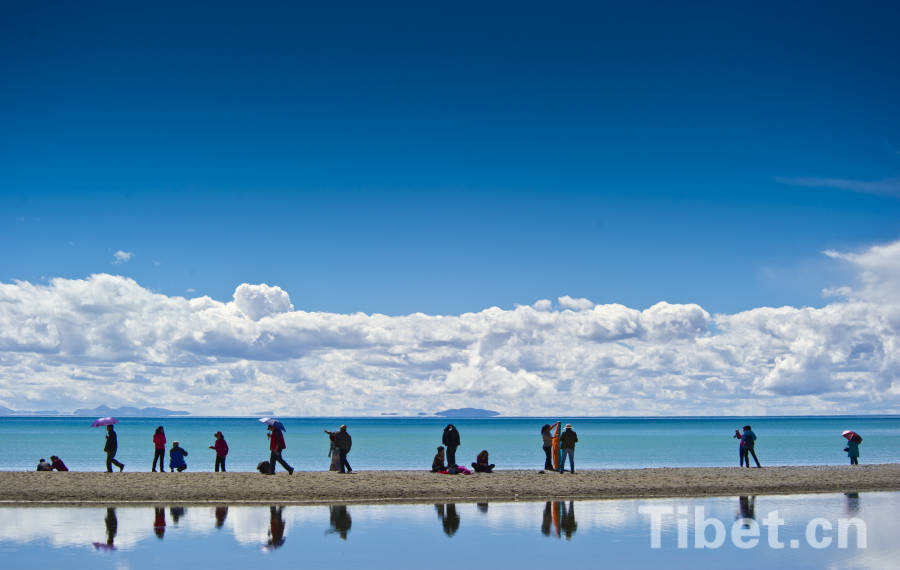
(178,453)
(567,441)
(341,442)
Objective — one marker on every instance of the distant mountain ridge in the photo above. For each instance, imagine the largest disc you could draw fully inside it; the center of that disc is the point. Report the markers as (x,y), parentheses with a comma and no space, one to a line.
(467,413)
(129,411)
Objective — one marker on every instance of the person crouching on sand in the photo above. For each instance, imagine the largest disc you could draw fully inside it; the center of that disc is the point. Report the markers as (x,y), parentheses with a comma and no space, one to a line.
(438,464)
(221,450)
(176,458)
(57,464)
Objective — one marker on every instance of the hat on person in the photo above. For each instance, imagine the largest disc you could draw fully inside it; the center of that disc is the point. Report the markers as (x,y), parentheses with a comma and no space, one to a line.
(343,427)
(568,426)
(175,442)
(218,433)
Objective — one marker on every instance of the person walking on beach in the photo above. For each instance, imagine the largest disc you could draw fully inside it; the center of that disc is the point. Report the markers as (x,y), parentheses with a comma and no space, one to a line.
(451,441)
(159,453)
(748,442)
(221,448)
(276,446)
(111,447)
(567,447)
(335,464)
(176,458)
(343,442)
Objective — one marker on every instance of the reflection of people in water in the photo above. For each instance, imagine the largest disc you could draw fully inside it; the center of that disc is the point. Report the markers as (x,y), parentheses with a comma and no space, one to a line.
(112,527)
(547,520)
(449,518)
(340,520)
(567,520)
(221,514)
(177,513)
(558,519)
(276,527)
(483,507)
(747,509)
(852,506)
(159,522)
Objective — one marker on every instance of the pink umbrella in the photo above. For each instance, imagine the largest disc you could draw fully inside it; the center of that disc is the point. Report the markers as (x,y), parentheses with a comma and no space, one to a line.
(100,422)
(852,436)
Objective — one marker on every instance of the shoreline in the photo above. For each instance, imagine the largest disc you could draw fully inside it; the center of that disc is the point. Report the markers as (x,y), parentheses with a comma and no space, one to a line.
(20,488)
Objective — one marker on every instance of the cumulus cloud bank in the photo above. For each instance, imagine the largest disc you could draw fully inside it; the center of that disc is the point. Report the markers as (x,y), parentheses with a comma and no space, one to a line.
(106,339)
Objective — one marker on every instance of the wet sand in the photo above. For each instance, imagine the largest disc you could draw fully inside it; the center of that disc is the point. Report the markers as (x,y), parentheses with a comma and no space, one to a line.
(421,486)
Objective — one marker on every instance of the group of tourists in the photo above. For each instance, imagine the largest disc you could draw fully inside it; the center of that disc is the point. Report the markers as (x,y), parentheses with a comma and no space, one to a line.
(557,447)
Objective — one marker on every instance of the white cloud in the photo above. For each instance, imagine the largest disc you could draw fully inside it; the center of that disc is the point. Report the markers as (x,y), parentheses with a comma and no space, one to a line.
(106,339)
(567,302)
(121,257)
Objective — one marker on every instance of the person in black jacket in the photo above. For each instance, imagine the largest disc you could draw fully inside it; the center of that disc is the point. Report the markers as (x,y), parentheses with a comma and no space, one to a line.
(111,447)
(343,442)
(451,440)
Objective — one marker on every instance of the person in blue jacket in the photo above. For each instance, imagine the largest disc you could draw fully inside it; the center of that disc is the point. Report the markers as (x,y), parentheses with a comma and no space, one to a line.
(748,441)
(176,458)
(852,450)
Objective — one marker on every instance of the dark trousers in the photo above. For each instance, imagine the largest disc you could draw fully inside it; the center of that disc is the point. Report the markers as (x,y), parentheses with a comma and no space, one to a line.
(345,465)
(111,460)
(451,455)
(159,454)
(745,460)
(220,462)
(276,456)
(854,461)
(548,462)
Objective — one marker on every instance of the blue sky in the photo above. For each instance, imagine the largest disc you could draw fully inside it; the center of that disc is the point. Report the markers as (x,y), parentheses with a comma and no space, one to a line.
(688,161)
(449,157)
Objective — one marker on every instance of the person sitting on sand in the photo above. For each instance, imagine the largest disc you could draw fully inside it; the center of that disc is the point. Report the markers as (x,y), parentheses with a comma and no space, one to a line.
(438,464)
(57,463)
(43,465)
(176,458)
(481,464)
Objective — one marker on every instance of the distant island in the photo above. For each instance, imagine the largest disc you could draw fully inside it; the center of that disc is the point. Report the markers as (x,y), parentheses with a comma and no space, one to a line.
(99,411)
(129,411)
(467,413)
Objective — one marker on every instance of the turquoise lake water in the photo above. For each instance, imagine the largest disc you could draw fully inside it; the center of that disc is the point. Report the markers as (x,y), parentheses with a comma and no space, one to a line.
(409,443)
(852,530)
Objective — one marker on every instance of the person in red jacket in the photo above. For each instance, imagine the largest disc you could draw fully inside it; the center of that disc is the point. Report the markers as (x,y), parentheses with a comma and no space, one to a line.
(159,444)
(221,451)
(276,446)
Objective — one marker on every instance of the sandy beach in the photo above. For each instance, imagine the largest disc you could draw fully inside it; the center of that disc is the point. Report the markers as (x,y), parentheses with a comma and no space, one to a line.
(420,486)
